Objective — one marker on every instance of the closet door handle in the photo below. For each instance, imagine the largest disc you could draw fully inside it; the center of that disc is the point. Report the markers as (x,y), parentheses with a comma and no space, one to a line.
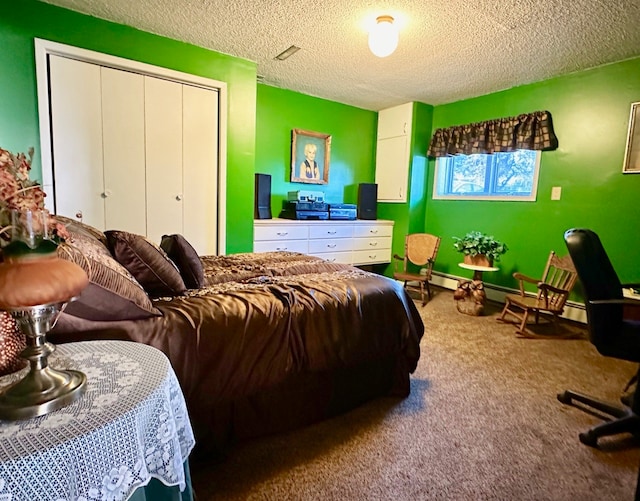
(106,193)
(178,198)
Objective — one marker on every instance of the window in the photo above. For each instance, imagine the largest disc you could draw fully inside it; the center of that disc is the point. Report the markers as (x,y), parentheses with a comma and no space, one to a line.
(500,176)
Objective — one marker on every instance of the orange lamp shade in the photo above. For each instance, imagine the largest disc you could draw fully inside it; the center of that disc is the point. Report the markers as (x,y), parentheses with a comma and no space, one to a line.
(33,281)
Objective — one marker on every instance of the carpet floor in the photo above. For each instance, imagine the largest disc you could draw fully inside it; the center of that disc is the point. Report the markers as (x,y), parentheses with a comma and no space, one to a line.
(482,422)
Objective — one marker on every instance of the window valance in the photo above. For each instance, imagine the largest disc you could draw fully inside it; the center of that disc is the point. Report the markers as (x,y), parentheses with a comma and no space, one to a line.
(532,131)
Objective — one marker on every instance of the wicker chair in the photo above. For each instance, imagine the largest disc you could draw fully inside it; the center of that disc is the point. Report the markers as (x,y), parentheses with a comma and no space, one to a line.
(553,289)
(420,251)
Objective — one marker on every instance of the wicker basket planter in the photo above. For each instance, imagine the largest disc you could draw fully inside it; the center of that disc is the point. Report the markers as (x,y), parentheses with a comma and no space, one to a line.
(478,260)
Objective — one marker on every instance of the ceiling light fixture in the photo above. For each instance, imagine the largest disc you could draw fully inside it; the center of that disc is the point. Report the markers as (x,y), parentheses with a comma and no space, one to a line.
(287,53)
(383,37)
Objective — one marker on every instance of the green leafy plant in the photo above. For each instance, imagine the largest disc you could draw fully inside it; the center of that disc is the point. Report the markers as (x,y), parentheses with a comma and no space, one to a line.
(476,242)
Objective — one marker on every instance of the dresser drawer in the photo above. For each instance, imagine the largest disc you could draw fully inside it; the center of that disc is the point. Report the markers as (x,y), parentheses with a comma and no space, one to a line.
(281,245)
(372,230)
(325,231)
(283,232)
(330,245)
(371,243)
(371,256)
(335,257)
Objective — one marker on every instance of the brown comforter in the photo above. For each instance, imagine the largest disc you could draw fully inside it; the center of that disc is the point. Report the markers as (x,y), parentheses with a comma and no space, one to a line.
(274,341)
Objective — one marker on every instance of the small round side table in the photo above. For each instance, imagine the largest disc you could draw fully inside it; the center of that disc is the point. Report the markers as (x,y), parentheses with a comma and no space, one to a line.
(470,296)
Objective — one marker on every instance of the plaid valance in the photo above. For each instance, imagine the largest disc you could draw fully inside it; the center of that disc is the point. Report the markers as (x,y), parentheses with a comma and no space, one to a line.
(532,131)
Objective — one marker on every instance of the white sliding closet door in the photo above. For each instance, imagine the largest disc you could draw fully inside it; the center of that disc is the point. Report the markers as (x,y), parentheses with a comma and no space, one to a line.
(135,148)
(76,122)
(124,152)
(200,172)
(163,147)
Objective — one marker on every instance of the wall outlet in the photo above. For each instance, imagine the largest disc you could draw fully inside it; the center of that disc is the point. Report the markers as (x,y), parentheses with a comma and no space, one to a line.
(556,193)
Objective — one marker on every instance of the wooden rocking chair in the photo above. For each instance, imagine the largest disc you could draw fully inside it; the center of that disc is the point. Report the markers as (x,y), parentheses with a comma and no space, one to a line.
(420,249)
(553,290)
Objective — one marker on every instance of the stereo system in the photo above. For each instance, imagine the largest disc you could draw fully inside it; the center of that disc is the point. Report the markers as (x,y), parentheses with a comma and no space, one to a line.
(310,205)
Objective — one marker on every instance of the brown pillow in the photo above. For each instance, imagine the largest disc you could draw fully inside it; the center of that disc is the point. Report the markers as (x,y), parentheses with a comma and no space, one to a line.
(182,253)
(75,226)
(112,293)
(147,262)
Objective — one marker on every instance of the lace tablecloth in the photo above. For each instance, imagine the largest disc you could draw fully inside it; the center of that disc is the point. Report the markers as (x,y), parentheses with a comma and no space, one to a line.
(131,425)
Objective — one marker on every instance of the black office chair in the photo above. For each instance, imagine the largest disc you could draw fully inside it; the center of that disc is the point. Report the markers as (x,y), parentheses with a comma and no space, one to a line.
(611,334)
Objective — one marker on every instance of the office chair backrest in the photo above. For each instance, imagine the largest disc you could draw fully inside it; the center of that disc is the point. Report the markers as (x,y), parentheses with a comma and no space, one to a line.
(599,282)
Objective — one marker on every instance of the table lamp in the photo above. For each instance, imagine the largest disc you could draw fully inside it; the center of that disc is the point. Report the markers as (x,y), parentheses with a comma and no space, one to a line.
(35,285)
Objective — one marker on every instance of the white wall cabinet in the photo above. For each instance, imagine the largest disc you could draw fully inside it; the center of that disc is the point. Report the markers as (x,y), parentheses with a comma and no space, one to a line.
(393,152)
(134,152)
(357,242)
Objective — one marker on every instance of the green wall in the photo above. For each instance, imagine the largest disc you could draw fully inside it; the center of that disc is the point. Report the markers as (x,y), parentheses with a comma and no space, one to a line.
(25,20)
(352,131)
(590,113)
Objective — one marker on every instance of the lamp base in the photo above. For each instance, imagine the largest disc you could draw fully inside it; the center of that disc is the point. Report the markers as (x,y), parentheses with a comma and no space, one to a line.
(42,389)
(40,392)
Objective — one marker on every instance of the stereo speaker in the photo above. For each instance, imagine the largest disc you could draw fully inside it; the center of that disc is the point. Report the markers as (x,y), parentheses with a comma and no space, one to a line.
(367,201)
(262,208)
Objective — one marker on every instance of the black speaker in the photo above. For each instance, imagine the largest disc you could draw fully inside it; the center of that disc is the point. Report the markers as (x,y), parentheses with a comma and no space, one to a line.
(367,201)
(262,208)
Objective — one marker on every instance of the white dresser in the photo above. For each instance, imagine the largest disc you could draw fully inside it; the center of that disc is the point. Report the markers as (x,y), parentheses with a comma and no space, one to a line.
(356,242)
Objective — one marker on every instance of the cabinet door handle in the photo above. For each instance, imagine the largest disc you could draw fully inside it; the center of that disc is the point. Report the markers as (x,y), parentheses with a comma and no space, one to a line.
(282,233)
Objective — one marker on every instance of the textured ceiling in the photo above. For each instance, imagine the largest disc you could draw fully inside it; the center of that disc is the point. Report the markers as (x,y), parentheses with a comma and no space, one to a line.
(449,49)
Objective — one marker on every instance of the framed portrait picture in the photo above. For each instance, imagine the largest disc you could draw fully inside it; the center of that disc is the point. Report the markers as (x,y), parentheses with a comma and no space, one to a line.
(632,153)
(310,152)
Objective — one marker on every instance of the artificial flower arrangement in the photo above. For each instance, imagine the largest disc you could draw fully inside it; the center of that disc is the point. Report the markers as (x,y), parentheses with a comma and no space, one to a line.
(19,193)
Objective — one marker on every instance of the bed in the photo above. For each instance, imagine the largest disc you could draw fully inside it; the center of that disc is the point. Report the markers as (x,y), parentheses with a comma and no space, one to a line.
(260,343)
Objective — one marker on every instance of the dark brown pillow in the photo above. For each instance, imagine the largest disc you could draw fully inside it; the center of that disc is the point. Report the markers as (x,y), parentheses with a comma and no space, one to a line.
(112,293)
(182,253)
(147,262)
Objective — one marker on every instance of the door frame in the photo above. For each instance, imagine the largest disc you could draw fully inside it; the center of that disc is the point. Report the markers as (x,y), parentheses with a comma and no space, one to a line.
(43,48)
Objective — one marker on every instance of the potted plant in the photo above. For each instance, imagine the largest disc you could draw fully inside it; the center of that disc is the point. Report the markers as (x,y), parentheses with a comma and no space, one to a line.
(479,249)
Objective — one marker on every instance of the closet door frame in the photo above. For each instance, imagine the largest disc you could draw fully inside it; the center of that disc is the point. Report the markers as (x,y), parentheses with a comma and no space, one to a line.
(43,48)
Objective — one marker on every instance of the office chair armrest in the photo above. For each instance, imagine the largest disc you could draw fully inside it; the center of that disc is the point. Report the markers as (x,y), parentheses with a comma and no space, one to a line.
(606,302)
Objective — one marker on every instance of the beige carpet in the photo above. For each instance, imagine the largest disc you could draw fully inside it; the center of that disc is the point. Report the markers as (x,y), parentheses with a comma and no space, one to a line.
(482,423)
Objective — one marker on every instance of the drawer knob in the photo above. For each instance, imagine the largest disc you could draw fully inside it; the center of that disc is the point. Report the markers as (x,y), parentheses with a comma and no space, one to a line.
(331,246)
(373,231)
(281,248)
(282,233)
(331,232)
(373,244)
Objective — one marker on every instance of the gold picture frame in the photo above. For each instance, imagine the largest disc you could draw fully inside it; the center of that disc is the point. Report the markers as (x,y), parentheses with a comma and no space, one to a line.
(310,152)
(632,152)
